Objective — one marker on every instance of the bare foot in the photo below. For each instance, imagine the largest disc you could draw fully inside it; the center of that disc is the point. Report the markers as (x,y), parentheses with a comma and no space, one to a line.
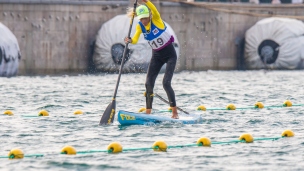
(174,113)
(175,116)
(148,111)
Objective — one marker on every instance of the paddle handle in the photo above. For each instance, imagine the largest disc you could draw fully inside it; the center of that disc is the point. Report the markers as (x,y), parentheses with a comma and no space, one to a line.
(164,100)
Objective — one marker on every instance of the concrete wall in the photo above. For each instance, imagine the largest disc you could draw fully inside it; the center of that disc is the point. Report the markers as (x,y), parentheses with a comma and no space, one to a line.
(208,33)
(55,38)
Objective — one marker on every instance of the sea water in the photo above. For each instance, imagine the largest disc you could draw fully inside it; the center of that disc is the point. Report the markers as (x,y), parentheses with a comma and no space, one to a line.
(62,95)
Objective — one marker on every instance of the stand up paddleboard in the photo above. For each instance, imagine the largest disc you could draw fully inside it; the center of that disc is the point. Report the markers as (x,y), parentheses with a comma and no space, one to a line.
(131,118)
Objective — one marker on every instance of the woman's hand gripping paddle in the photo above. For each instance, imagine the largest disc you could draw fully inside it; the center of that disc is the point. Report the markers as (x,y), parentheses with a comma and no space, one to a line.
(109,113)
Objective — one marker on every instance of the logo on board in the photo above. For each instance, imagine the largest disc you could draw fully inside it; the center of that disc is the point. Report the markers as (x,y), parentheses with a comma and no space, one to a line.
(127,117)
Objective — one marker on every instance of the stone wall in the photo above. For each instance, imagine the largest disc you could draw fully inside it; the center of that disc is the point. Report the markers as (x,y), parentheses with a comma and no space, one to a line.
(56,38)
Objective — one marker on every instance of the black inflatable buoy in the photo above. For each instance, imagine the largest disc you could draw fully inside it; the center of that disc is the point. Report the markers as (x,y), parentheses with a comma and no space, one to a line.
(117,51)
(268,51)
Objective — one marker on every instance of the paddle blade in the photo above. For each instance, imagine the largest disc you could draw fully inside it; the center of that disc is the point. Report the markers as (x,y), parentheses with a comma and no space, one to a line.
(108,114)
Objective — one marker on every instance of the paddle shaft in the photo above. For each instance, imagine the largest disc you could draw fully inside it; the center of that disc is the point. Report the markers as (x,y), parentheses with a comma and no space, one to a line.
(124,54)
(108,115)
(164,100)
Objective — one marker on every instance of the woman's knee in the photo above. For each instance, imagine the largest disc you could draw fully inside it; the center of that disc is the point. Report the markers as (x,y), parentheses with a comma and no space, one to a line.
(167,85)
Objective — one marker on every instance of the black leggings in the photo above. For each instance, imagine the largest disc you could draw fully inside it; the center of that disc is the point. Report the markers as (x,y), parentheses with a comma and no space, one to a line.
(159,58)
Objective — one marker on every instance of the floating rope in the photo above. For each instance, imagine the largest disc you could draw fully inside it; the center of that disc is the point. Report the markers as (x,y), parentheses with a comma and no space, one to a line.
(250,107)
(115,147)
(245,108)
(257,105)
(237,108)
(40,114)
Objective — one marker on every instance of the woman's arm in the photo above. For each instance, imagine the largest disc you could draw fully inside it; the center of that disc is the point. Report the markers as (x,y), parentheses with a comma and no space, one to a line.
(153,9)
(135,38)
(155,15)
(137,34)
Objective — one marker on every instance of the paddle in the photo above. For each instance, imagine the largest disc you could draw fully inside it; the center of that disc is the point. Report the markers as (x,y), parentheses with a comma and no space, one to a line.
(109,113)
(164,100)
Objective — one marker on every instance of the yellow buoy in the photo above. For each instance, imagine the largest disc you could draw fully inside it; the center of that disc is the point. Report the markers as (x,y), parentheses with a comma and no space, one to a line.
(170,109)
(259,105)
(78,112)
(247,137)
(287,103)
(114,147)
(16,154)
(201,107)
(69,150)
(160,146)
(287,133)
(204,141)
(143,109)
(8,112)
(230,107)
(43,113)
